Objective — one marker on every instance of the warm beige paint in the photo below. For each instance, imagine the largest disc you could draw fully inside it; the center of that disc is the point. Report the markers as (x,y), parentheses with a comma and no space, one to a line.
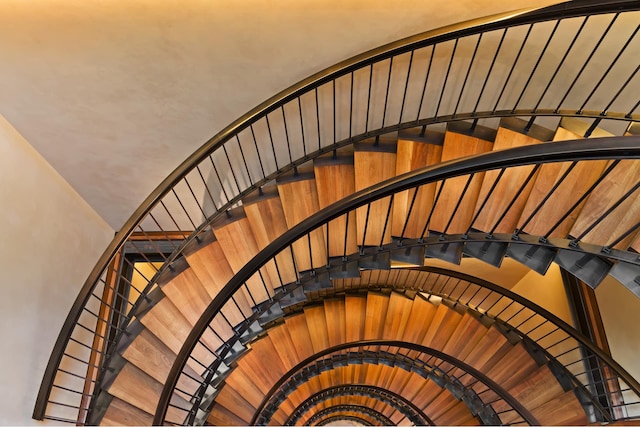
(547,291)
(619,308)
(51,238)
(97,86)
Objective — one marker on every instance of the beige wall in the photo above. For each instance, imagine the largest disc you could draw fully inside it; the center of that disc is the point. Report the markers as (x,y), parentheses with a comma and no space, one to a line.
(619,308)
(50,241)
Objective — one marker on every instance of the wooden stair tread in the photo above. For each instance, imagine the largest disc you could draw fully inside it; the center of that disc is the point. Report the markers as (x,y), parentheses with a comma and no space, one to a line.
(457,145)
(299,332)
(563,410)
(414,153)
(537,389)
(443,323)
(355,309)
(120,413)
(317,325)
(214,272)
(242,383)
(153,357)
(267,221)
(508,186)
(239,247)
(623,177)
(397,316)
(457,414)
(566,195)
(137,388)
(375,315)
(235,403)
(300,201)
(466,336)
(514,367)
(221,416)
(335,180)
(373,165)
(335,315)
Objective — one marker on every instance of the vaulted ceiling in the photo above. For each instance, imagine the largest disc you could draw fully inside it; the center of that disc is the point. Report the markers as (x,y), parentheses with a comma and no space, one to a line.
(116,94)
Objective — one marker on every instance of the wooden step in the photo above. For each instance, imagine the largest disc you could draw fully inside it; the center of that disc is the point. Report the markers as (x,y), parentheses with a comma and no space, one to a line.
(235,403)
(317,325)
(439,330)
(239,246)
(266,218)
(457,415)
(415,150)
(460,141)
(574,186)
(513,367)
(189,296)
(221,416)
(137,388)
(299,197)
(153,357)
(374,162)
(397,316)
(120,413)
(612,188)
(564,410)
(501,195)
(375,315)
(335,313)
(209,264)
(168,324)
(335,180)
(355,309)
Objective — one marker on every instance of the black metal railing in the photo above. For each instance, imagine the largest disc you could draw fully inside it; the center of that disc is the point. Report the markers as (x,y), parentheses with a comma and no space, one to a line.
(560,341)
(391,88)
(465,384)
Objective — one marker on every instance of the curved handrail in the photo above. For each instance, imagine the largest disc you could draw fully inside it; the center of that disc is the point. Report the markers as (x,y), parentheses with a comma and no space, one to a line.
(415,413)
(292,381)
(499,390)
(611,148)
(477,26)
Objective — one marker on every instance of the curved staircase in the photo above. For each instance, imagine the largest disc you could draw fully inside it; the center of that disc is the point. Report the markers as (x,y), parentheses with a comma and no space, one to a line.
(491,202)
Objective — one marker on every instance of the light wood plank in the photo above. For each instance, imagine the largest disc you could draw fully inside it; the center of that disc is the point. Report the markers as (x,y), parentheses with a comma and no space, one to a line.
(284,346)
(221,416)
(317,325)
(563,410)
(153,357)
(300,201)
(214,272)
(538,388)
(397,316)
(335,180)
(168,324)
(514,367)
(625,175)
(135,387)
(268,222)
(297,327)
(575,185)
(239,247)
(457,145)
(355,310)
(375,315)
(414,153)
(336,321)
(241,381)
(420,316)
(235,403)
(508,186)
(373,166)
(467,334)
(120,413)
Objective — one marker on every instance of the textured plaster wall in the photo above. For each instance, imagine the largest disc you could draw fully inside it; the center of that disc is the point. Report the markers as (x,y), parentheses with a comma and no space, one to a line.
(50,240)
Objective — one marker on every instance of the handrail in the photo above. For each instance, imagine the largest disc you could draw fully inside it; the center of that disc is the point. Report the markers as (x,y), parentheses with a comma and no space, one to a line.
(612,148)
(381,357)
(368,390)
(278,101)
(499,390)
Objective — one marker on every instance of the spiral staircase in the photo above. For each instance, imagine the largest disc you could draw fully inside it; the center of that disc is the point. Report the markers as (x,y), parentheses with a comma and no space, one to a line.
(310,263)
